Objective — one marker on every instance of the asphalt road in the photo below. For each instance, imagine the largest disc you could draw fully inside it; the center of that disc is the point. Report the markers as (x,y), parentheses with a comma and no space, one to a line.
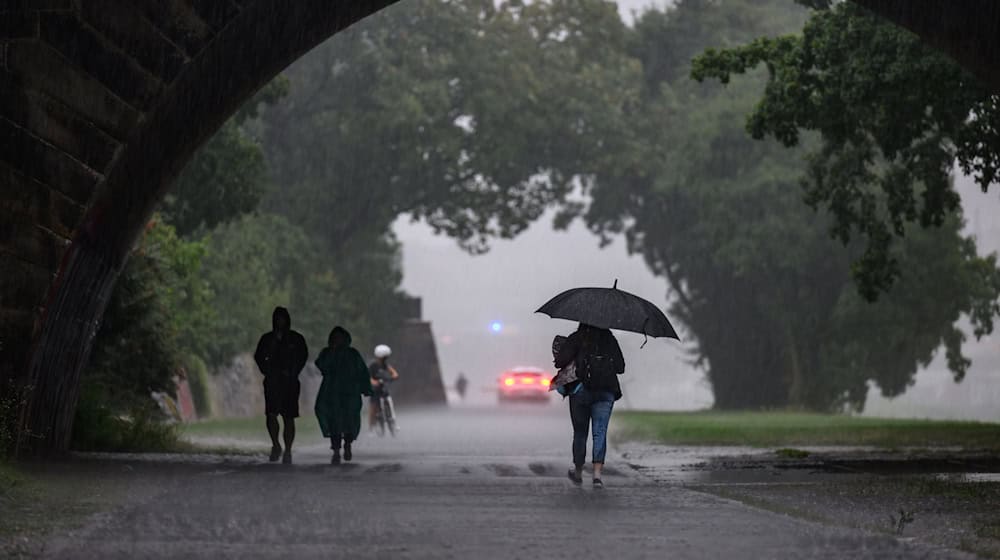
(454,484)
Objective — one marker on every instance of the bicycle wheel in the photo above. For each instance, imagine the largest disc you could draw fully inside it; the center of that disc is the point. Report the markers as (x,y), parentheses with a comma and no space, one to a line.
(390,416)
(380,417)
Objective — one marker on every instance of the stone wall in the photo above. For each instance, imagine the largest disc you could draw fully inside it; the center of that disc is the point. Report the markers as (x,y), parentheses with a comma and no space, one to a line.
(236,390)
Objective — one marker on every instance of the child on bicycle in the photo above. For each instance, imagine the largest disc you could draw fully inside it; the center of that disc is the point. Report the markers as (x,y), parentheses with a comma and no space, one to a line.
(381,373)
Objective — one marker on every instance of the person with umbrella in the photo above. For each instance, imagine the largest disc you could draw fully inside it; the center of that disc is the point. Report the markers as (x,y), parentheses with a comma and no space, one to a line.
(590,361)
(599,361)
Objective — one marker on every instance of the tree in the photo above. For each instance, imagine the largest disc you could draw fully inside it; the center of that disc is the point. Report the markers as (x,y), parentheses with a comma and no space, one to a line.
(257,263)
(894,116)
(137,349)
(226,178)
(470,115)
(755,278)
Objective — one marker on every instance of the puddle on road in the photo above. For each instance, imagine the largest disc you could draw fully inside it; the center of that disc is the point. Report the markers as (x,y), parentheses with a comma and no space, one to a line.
(968,477)
(753,466)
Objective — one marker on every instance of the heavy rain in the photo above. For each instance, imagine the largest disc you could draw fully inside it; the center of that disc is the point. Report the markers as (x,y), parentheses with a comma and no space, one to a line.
(499,279)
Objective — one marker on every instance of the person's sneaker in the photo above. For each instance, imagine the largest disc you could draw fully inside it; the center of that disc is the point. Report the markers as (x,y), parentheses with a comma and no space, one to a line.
(286,459)
(275,453)
(347,452)
(576,478)
(598,483)
(335,460)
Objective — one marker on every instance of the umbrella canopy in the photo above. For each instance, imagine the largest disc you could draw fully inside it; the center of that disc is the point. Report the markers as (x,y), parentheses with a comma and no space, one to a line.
(610,308)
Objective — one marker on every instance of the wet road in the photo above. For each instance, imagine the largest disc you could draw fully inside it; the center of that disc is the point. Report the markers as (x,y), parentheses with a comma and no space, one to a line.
(455,484)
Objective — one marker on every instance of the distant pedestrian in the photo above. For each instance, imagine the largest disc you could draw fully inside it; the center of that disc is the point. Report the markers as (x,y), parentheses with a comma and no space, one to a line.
(281,354)
(461,384)
(338,404)
(598,361)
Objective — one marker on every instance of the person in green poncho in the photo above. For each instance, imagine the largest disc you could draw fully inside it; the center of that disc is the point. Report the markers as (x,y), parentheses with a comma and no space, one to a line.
(338,404)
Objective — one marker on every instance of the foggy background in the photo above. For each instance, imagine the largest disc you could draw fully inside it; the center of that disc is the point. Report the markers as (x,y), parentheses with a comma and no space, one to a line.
(463,295)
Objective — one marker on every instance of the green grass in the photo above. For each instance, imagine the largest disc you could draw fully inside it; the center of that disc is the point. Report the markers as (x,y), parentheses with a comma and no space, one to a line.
(791,453)
(785,429)
(10,481)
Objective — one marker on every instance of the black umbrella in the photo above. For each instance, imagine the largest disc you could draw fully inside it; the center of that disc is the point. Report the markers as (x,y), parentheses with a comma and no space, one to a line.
(610,308)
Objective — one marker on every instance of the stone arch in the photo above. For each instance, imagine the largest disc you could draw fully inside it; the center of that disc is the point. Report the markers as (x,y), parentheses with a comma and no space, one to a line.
(103,102)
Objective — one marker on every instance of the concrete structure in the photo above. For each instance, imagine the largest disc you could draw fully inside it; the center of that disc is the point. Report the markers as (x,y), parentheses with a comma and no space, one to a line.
(102,102)
(414,354)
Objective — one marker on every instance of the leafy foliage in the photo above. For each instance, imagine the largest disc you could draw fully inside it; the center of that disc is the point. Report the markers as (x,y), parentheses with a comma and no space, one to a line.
(226,178)
(755,278)
(136,350)
(894,116)
(472,116)
(200,384)
(476,117)
(257,263)
(99,427)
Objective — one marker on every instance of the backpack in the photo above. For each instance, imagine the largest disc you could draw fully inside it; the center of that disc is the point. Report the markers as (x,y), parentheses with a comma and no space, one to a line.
(598,373)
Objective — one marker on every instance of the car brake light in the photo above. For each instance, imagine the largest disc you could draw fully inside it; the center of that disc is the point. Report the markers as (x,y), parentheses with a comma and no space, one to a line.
(509,381)
(527,380)
(544,381)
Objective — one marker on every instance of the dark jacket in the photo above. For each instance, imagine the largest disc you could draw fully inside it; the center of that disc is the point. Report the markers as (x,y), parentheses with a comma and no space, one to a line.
(586,343)
(345,379)
(283,356)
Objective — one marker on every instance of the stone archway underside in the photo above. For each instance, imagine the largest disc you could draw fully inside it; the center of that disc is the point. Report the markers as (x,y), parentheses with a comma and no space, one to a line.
(103,101)
(101,104)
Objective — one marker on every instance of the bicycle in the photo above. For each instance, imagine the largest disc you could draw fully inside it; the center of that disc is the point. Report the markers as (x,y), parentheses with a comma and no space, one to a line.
(385,413)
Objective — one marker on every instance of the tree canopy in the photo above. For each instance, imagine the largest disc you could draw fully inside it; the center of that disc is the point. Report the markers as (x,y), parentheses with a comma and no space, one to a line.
(476,117)
(894,116)
(755,277)
(473,116)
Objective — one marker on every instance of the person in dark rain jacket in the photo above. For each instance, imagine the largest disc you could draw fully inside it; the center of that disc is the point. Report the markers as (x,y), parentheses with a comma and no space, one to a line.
(338,404)
(599,362)
(281,354)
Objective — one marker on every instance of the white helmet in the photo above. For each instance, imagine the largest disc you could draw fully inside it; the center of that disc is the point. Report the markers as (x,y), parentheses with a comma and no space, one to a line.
(382,351)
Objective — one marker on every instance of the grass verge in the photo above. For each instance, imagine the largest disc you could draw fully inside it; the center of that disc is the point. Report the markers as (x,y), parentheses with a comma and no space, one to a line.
(784,429)
(218,432)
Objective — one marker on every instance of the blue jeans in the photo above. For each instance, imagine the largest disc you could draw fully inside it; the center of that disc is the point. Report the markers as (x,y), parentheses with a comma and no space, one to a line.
(585,408)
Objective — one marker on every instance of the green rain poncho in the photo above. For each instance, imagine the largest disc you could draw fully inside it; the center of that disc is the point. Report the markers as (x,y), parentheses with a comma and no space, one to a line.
(345,379)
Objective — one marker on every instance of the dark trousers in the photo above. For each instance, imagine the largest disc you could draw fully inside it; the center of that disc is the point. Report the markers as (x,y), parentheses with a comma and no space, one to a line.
(336,439)
(586,408)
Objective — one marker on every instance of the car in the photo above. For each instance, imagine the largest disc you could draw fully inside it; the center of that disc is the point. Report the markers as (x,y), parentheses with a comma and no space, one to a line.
(524,384)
